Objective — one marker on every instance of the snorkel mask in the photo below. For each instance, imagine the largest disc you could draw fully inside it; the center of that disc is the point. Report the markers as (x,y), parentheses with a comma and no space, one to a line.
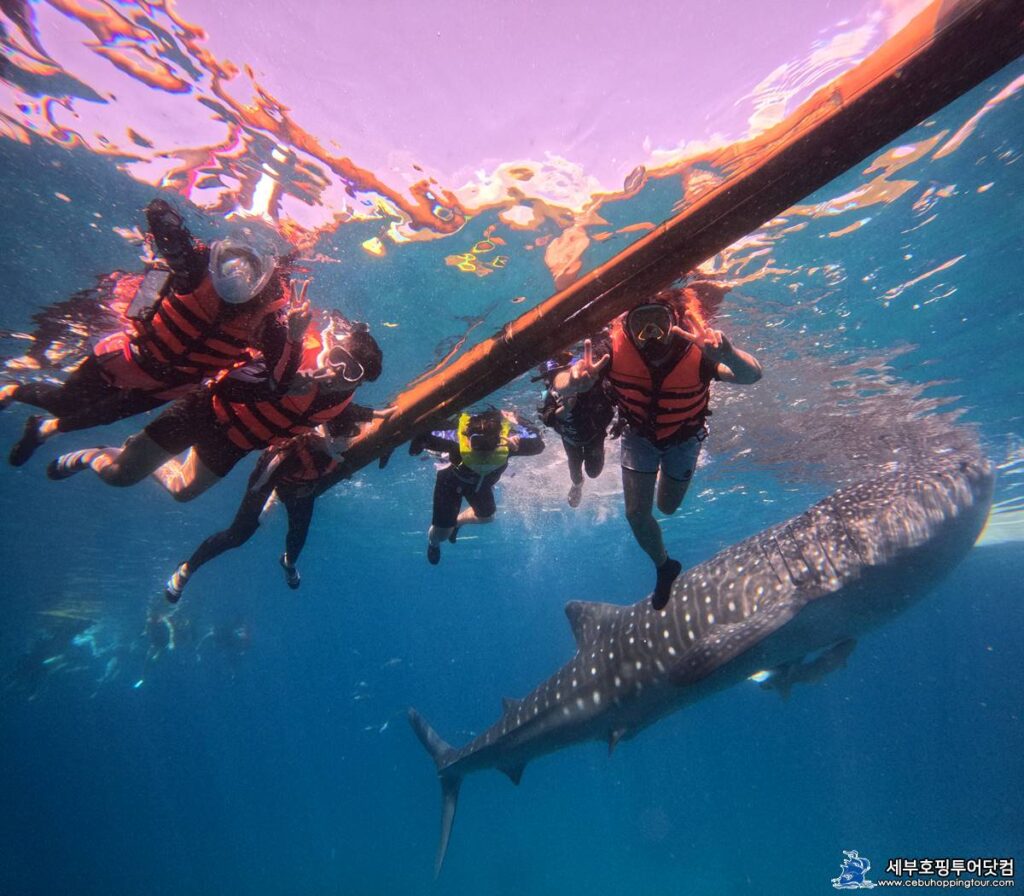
(338,361)
(240,268)
(336,358)
(484,442)
(483,431)
(652,321)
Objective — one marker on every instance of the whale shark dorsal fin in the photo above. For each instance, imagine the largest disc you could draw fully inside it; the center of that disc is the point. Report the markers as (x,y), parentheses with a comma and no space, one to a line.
(587,617)
(509,704)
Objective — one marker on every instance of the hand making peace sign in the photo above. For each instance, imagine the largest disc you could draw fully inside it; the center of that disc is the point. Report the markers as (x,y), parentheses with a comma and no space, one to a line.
(585,372)
(712,342)
(299,311)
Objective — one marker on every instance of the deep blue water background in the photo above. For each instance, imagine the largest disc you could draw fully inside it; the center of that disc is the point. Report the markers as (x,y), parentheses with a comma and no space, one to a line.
(288,768)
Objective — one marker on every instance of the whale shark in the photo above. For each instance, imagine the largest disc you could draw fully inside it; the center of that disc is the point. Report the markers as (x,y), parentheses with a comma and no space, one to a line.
(812,584)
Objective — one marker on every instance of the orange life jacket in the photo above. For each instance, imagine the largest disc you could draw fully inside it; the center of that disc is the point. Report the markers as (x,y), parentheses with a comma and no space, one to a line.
(196,335)
(659,403)
(121,368)
(258,422)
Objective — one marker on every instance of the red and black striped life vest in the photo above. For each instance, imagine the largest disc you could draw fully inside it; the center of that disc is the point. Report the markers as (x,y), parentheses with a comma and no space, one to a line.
(657,403)
(196,335)
(256,423)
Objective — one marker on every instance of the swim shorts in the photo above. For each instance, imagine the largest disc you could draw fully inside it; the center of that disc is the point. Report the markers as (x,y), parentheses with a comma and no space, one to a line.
(677,460)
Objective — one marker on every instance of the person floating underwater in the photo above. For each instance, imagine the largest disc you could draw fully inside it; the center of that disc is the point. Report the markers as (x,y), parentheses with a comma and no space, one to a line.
(210,310)
(658,365)
(295,472)
(479,447)
(244,410)
(581,419)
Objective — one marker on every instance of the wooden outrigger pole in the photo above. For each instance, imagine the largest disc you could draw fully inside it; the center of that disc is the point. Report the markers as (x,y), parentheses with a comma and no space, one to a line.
(942,53)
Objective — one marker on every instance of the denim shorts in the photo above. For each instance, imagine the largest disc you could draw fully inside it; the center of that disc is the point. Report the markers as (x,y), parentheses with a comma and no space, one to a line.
(677,460)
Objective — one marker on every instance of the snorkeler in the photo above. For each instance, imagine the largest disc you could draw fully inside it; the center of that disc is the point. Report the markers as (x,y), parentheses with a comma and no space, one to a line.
(243,411)
(295,472)
(659,375)
(478,448)
(581,419)
(209,310)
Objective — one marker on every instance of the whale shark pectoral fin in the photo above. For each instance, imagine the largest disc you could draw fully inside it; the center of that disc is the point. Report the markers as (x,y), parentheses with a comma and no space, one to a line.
(804,671)
(780,680)
(830,659)
(723,643)
(514,772)
(587,617)
(614,737)
(835,657)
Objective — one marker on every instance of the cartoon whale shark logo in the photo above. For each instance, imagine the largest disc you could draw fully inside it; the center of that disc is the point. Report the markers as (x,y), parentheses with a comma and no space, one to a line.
(853,873)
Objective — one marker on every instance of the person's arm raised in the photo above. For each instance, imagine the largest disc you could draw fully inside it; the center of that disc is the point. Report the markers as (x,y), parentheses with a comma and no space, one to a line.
(582,375)
(734,364)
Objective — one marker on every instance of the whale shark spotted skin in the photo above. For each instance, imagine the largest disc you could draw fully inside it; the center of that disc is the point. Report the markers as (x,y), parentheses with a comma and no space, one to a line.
(846,565)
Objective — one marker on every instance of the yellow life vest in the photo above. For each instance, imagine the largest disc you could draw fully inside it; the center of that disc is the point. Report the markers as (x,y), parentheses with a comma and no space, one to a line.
(483,462)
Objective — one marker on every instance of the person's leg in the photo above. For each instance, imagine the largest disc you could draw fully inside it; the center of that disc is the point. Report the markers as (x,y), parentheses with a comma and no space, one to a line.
(640,462)
(212,456)
(593,457)
(123,466)
(447,501)
(677,467)
(118,405)
(671,493)
(300,515)
(85,400)
(185,480)
(83,387)
(242,528)
(482,505)
(574,455)
(162,439)
(638,492)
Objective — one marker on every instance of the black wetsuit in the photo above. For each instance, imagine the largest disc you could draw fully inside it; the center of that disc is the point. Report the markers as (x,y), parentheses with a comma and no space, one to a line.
(457,481)
(86,398)
(582,422)
(294,470)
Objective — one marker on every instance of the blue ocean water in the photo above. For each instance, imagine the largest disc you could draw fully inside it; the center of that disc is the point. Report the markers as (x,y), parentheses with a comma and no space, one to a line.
(268,753)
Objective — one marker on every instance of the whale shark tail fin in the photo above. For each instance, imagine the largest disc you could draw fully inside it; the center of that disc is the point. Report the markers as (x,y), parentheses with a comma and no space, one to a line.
(450,781)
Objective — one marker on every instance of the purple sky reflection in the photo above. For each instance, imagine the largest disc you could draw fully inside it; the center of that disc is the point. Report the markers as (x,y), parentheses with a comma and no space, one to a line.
(460,85)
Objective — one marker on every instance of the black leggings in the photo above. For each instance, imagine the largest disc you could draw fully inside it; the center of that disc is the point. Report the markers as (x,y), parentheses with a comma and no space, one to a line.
(299,505)
(86,399)
(589,456)
(449,491)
